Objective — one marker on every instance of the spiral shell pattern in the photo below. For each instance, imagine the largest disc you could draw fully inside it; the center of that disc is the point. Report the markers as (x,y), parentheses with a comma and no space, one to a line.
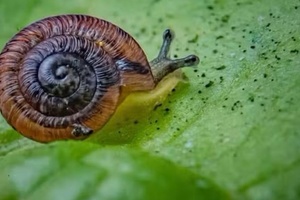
(67,73)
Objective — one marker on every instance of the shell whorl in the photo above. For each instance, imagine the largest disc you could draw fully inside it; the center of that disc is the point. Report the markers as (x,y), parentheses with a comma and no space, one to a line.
(68,70)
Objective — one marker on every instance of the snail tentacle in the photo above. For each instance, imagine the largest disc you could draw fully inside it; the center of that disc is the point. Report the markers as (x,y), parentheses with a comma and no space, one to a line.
(162,65)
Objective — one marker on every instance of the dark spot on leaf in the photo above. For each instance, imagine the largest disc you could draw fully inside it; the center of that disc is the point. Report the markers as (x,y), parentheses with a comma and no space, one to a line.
(219,37)
(296,51)
(194,39)
(265,75)
(221,67)
(221,79)
(225,18)
(210,83)
(251,99)
(236,104)
(143,30)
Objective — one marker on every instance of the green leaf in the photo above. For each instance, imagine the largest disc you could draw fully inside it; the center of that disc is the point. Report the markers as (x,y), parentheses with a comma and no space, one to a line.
(230,126)
(78,170)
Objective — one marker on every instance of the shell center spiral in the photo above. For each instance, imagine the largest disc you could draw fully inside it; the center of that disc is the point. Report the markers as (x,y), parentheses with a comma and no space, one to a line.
(68,82)
(59,75)
(62,71)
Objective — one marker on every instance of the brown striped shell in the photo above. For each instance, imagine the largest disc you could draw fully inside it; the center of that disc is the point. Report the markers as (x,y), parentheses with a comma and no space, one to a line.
(62,77)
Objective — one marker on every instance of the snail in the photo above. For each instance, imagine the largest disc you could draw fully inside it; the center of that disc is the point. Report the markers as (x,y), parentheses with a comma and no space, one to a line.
(63,77)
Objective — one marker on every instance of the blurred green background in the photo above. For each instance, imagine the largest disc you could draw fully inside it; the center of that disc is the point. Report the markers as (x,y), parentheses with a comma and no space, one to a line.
(229,130)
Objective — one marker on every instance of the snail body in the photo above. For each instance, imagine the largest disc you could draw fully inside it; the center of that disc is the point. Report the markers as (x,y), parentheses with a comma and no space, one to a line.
(63,77)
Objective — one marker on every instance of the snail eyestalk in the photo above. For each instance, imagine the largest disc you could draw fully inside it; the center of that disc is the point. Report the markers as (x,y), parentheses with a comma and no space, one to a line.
(162,65)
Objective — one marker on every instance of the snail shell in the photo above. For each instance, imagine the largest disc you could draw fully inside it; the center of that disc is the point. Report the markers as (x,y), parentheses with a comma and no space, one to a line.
(63,77)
